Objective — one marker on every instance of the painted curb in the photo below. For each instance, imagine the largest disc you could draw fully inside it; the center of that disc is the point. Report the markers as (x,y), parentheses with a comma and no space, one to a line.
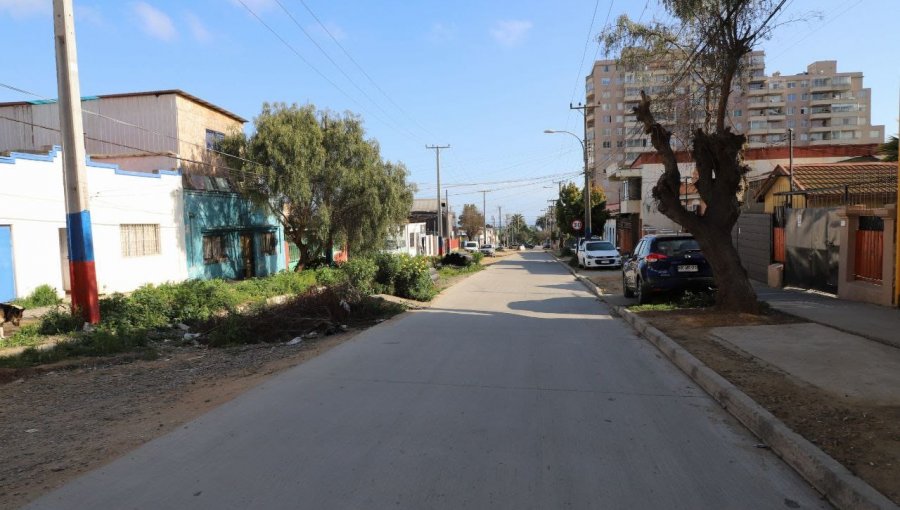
(841,487)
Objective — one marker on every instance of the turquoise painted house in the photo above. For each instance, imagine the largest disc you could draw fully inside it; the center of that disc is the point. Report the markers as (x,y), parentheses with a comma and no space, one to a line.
(227,236)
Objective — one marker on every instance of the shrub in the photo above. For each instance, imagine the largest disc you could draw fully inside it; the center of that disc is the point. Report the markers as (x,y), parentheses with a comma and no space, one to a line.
(360,272)
(458,259)
(42,295)
(388,267)
(477,256)
(565,252)
(413,280)
(57,322)
(329,276)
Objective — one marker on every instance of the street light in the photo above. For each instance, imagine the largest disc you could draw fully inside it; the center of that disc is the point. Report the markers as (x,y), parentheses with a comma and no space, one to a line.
(587,181)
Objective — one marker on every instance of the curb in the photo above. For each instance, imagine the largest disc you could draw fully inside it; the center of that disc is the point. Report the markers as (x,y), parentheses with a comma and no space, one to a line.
(839,486)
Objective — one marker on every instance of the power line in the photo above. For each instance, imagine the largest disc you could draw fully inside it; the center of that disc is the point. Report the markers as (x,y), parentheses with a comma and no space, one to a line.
(358,66)
(338,66)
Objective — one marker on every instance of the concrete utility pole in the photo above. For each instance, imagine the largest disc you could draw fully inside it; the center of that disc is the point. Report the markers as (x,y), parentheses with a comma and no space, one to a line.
(500,220)
(449,229)
(791,160)
(484,216)
(78,215)
(440,217)
(587,175)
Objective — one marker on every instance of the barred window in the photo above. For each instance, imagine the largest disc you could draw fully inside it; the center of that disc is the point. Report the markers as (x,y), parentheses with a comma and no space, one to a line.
(214,249)
(139,240)
(269,243)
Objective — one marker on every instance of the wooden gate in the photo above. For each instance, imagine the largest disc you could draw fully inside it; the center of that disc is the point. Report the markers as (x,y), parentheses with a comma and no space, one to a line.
(869,247)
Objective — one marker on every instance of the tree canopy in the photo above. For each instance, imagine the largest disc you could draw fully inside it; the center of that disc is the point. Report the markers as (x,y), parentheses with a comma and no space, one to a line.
(471,221)
(570,207)
(705,50)
(318,174)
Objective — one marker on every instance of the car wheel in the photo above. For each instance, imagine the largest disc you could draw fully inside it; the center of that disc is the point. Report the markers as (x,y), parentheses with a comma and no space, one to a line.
(643,297)
(625,290)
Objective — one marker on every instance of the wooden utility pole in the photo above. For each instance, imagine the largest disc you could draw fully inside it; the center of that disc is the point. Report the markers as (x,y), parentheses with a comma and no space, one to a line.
(78,215)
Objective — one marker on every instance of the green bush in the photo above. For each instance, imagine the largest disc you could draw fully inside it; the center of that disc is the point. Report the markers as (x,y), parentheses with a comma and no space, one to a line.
(413,280)
(477,257)
(388,267)
(361,273)
(329,276)
(58,322)
(42,295)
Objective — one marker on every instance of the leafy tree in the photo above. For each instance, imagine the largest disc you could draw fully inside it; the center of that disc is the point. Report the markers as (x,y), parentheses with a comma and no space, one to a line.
(707,45)
(320,177)
(471,221)
(889,149)
(570,207)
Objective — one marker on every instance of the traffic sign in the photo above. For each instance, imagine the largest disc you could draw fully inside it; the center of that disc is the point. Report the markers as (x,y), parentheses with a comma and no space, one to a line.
(577,224)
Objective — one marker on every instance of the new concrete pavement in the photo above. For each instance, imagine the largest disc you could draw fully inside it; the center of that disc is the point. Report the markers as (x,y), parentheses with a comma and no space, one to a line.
(517,389)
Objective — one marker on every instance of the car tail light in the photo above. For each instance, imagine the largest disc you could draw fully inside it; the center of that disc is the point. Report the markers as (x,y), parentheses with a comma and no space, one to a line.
(653,257)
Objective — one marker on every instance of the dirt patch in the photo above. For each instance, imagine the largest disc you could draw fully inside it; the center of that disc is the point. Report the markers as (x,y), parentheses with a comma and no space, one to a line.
(863,437)
(609,281)
(59,422)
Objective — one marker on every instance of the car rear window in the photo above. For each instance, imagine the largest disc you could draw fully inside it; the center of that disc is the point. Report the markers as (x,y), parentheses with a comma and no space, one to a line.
(676,247)
(599,246)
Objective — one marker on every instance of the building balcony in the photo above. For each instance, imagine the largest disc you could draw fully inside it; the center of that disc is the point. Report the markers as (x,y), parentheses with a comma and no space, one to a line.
(821,129)
(630,207)
(820,115)
(756,92)
(620,174)
(830,87)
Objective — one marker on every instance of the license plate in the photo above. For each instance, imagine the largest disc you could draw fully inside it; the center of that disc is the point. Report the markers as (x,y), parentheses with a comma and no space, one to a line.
(604,262)
(687,269)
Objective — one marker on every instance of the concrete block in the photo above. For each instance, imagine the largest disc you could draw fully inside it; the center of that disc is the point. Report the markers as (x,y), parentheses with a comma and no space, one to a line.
(776,275)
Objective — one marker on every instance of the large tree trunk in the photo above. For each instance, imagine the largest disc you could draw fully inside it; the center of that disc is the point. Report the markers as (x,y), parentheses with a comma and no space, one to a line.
(719,176)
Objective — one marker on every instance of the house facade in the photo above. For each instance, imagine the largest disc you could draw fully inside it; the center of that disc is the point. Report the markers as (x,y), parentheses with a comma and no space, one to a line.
(137,223)
(227,236)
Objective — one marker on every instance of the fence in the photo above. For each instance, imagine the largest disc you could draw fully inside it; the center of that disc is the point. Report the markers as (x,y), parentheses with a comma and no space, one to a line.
(778,252)
(869,250)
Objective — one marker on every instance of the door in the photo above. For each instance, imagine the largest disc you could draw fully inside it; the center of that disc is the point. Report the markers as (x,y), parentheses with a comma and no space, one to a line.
(812,245)
(247,258)
(64,259)
(7,276)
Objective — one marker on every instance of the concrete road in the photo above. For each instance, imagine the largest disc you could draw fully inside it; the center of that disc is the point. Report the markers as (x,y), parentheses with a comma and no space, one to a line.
(516,390)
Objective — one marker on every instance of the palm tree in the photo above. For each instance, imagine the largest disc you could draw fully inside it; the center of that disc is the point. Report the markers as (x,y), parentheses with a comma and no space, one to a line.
(889,149)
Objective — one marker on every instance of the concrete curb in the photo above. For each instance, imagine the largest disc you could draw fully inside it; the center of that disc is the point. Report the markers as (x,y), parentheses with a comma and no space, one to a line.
(841,487)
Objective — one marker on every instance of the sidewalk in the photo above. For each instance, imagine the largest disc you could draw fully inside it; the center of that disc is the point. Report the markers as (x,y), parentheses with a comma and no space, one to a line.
(874,322)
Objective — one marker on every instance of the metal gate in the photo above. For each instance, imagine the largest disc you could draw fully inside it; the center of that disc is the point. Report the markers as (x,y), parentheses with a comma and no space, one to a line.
(812,245)
(7,279)
(752,237)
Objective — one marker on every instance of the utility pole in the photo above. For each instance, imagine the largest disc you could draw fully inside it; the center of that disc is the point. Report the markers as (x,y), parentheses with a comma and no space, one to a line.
(440,217)
(791,162)
(587,175)
(78,215)
(449,226)
(500,220)
(484,216)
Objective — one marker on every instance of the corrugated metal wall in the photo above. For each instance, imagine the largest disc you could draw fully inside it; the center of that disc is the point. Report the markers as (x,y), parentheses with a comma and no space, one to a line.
(752,236)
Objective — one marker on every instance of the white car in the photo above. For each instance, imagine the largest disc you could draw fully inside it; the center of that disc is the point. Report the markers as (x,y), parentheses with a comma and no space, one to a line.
(470,246)
(595,253)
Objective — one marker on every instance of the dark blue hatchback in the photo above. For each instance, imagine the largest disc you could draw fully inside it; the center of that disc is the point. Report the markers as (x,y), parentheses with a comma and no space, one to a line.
(662,263)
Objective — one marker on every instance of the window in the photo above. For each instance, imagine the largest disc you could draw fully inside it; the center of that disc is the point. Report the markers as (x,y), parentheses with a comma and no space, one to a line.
(820,82)
(792,84)
(214,249)
(605,69)
(804,97)
(792,97)
(791,123)
(139,240)
(268,243)
(604,106)
(213,139)
(791,110)
(607,131)
(607,119)
(605,95)
(736,113)
(606,144)
(619,118)
(804,84)
(874,134)
(620,131)
(620,106)
(804,137)
(604,81)
(738,126)
(620,144)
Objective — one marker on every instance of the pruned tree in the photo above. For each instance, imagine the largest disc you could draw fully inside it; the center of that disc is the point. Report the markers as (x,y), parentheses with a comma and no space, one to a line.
(707,46)
(471,221)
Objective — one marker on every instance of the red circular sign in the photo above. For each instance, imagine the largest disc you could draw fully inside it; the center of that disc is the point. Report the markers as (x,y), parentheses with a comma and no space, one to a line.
(576,224)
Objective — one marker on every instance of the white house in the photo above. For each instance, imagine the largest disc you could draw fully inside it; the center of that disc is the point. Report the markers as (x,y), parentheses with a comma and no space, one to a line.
(137,223)
(411,239)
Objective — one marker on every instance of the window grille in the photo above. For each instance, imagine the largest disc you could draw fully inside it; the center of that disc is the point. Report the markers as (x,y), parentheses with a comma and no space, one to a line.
(139,240)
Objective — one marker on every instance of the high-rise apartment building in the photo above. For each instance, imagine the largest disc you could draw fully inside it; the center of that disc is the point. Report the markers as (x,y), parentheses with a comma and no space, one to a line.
(822,106)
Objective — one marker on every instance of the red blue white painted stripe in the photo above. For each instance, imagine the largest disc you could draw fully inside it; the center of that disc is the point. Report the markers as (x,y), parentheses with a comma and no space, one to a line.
(81,265)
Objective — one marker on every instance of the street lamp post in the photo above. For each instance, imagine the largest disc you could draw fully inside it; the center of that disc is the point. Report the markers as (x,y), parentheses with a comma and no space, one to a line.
(587,182)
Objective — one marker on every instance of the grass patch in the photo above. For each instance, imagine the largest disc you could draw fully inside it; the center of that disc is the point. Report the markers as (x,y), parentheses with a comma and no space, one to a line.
(43,295)
(684,300)
(447,272)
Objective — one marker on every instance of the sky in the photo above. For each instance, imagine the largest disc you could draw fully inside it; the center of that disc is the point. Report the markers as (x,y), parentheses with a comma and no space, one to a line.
(485,77)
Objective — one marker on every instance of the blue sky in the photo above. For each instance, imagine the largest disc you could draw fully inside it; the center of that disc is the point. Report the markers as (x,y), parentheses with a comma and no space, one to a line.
(485,77)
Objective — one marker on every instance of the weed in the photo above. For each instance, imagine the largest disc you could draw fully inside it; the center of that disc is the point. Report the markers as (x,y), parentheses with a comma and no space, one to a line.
(42,295)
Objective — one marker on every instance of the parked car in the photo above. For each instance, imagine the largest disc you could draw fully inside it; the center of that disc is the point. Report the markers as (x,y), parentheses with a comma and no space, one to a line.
(599,254)
(662,263)
(488,250)
(529,246)
(470,246)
